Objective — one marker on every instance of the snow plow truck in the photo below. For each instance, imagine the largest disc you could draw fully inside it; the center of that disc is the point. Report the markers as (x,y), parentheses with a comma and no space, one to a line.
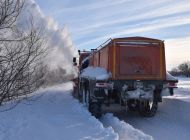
(128,71)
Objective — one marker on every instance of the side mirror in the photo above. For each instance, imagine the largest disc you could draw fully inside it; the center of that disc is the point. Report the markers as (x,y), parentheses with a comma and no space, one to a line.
(79,52)
(74,59)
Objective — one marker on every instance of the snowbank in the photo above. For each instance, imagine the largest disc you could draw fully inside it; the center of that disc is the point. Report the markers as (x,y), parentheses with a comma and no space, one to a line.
(124,130)
(53,116)
(96,72)
(182,93)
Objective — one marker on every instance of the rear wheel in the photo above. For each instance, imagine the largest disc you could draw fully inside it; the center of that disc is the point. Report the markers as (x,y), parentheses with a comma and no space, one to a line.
(83,96)
(132,105)
(95,109)
(87,99)
(80,93)
(148,108)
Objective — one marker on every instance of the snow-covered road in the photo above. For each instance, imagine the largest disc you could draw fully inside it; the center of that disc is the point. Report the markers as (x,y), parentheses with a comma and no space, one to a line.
(57,116)
(172,121)
(54,116)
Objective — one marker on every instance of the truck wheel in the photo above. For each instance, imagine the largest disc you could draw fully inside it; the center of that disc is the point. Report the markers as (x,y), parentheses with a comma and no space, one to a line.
(80,93)
(83,96)
(95,109)
(148,108)
(87,99)
(132,105)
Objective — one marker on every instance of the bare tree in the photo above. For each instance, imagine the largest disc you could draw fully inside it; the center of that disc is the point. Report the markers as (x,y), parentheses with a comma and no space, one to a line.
(175,72)
(9,12)
(185,68)
(182,69)
(21,66)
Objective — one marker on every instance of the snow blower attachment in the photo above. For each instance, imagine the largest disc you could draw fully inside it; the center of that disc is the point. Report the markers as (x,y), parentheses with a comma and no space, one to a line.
(128,71)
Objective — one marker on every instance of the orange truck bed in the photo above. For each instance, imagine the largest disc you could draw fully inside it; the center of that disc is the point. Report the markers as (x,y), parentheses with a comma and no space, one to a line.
(132,58)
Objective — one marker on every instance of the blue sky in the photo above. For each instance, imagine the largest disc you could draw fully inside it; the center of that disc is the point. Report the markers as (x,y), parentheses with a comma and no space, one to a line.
(92,22)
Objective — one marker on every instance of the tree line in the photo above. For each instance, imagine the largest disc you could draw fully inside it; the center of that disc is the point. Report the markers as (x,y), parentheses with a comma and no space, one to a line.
(182,69)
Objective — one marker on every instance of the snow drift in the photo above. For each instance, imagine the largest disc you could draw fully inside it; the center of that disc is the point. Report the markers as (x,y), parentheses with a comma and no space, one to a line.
(124,130)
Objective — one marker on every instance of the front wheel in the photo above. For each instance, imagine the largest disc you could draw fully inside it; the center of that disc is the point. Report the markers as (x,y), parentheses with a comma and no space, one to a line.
(86,97)
(148,108)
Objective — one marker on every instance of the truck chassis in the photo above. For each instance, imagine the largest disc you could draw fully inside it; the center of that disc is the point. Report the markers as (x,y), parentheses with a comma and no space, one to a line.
(141,96)
(138,75)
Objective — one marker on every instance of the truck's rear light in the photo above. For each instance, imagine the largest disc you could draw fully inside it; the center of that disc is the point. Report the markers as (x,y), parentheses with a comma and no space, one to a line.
(101,84)
(104,85)
(172,84)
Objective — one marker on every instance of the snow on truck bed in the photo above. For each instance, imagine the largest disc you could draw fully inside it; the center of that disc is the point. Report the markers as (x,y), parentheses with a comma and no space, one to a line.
(100,73)
(57,116)
(96,72)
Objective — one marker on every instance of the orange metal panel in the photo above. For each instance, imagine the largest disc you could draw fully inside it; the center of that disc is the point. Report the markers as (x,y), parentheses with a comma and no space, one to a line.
(111,58)
(91,60)
(104,57)
(96,59)
(138,61)
(133,58)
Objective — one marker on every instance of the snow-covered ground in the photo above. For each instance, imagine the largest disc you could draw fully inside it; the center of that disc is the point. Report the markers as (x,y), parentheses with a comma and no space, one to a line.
(125,131)
(54,116)
(57,116)
(172,121)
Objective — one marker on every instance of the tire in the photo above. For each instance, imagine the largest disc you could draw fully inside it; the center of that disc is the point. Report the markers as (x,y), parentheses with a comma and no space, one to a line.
(121,102)
(148,108)
(132,105)
(95,109)
(80,93)
(87,99)
(83,96)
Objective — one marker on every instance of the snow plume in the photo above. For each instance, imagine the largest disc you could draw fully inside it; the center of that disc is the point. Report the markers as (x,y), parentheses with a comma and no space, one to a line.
(59,43)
